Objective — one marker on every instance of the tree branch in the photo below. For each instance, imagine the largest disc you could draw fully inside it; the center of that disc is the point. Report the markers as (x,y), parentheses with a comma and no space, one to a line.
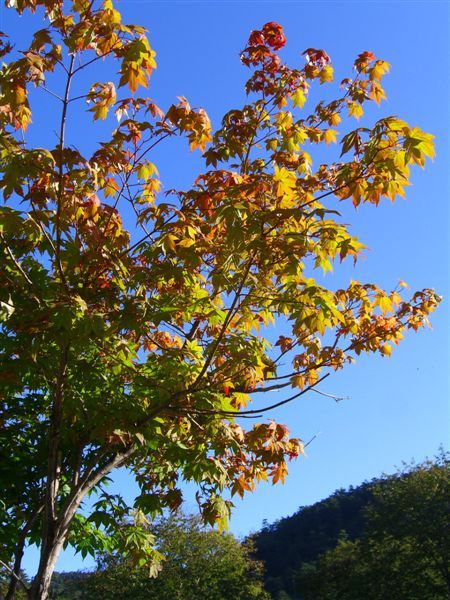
(61,168)
(53,444)
(243,413)
(226,322)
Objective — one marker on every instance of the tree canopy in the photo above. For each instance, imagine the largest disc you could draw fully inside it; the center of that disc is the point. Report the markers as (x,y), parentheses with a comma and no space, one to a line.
(140,346)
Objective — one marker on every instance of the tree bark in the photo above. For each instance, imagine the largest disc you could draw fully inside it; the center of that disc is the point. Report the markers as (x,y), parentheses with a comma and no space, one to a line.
(10,594)
(49,555)
(51,542)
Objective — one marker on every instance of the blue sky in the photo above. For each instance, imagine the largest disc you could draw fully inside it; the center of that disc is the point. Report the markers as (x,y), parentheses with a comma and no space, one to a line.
(398,408)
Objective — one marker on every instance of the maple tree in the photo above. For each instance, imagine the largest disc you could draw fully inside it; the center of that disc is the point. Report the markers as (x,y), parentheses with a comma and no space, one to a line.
(141,348)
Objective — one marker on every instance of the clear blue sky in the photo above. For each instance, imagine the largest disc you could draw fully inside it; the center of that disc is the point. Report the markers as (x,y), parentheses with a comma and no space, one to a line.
(398,408)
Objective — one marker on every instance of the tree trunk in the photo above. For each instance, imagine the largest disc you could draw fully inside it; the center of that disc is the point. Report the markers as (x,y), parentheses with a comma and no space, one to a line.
(53,530)
(41,584)
(56,534)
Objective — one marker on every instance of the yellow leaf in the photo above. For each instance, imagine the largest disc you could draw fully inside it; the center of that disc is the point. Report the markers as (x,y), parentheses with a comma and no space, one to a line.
(384,302)
(334,119)
(377,92)
(330,135)
(284,120)
(386,349)
(111,187)
(326,74)
(286,182)
(298,98)
(396,299)
(298,381)
(147,170)
(186,243)
(279,473)
(425,144)
(261,475)
(380,68)
(169,242)
(355,110)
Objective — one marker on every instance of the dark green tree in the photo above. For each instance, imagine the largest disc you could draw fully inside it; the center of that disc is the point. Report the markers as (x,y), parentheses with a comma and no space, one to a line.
(199,563)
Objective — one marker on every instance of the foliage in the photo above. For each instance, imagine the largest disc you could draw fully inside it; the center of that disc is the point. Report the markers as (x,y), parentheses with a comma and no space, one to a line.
(138,348)
(68,585)
(405,552)
(198,563)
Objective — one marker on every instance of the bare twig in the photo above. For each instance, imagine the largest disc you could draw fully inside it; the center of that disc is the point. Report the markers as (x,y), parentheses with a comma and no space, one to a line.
(52,93)
(332,396)
(316,435)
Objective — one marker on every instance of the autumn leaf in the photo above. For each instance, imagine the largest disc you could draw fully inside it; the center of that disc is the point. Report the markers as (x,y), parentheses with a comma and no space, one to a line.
(355,109)
(326,74)
(279,473)
(330,136)
(299,98)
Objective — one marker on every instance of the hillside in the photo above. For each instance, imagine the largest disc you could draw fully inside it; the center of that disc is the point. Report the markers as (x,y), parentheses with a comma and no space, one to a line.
(301,538)
(389,538)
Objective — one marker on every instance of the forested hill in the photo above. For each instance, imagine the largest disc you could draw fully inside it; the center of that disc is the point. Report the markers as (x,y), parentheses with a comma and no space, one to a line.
(385,539)
(292,541)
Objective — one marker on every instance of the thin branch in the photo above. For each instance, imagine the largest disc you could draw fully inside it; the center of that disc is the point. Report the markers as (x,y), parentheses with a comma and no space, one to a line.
(119,194)
(332,396)
(19,579)
(10,594)
(78,98)
(54,440)
(52,93)
(238,414)
(294,397)
(42,228)
(271,388)
(96,58)
(132,200)
(252,142)
(61,168)
(316,435)
(15,261)
(226,322)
